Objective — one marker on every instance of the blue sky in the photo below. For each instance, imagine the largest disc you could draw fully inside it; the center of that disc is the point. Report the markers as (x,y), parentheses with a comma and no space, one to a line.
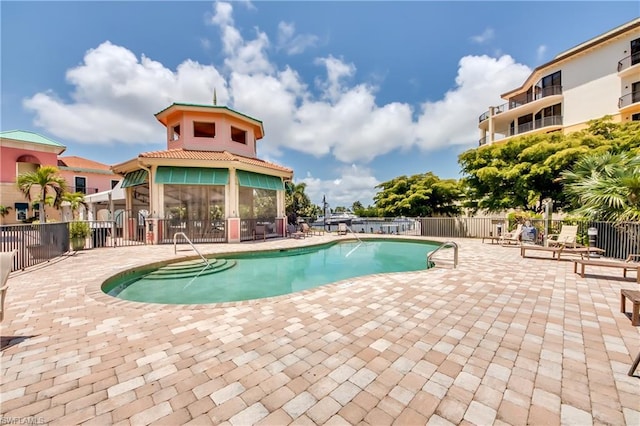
(351,94)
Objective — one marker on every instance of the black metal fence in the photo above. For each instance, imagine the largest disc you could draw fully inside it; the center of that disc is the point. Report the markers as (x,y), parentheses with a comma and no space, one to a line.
(248,226)
(618,239)
(198,231)
(37,243)
(371,225)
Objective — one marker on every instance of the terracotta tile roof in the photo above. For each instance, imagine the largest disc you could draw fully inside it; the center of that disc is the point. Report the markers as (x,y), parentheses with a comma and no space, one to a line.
(74,162)
(182,154)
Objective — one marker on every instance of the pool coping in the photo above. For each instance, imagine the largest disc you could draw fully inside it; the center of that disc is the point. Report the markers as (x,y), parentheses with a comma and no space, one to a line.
(98,295)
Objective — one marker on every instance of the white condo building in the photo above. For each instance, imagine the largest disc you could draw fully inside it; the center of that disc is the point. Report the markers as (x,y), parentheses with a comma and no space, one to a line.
(596,78)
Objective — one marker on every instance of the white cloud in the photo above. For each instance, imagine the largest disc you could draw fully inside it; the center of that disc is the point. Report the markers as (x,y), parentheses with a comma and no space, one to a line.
(540,52)
(116,94)
(453,120)
(292,43)
(484,37)
(355,184)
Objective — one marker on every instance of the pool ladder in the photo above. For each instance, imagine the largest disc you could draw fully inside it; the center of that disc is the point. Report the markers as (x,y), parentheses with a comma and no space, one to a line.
(448,244)
(357,238)
(183,235)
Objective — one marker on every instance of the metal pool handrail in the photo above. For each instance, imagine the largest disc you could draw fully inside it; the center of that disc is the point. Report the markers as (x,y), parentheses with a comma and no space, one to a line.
(357,238)
(175,243)
(444,245)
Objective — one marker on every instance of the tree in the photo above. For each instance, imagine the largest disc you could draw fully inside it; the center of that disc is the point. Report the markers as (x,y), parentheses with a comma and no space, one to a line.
(3,212)
(48,183)
(525,170)
(75,200)
(605,187)
(418,195)
(297,203)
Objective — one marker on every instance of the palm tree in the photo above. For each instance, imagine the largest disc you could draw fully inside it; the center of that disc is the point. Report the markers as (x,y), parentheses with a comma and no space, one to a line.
(47,180)
(296,200)
(75,200)
(605,186)
(3,212)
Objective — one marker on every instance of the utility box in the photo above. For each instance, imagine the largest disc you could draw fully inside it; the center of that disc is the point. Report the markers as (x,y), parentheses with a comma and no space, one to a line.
(592,233)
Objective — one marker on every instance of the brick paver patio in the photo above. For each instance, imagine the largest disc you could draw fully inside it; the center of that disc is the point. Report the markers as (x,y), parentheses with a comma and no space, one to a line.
(499,340)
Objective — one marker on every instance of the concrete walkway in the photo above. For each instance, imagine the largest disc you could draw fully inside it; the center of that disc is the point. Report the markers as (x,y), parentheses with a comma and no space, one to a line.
(499,340)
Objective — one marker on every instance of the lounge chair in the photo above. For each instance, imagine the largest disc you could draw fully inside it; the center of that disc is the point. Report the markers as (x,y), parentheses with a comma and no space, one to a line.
(6,263)
(307,229)
(629,264)
(568,237)
(260,231)
(292,232)
(514,236)
(342,229)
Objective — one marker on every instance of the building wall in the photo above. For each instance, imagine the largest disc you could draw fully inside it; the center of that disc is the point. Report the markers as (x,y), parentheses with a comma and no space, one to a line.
(9,192)
(591,85)
(99,181)
(9,155)
(222,140)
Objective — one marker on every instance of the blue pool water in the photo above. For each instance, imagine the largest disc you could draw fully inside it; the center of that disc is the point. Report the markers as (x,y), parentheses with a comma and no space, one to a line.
(271,273)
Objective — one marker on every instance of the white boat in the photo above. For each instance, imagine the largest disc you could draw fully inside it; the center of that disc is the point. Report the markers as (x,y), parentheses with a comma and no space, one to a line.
(342,217)
(338,218)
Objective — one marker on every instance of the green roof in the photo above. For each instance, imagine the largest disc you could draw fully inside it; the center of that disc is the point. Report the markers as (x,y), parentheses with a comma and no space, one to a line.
(258,180)
(192,176)
(135,178)
(209,106)
(24,136)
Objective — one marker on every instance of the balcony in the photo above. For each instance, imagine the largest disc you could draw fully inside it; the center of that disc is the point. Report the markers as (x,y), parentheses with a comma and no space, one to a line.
(82,189)
(629,65)
(524,99)
(628,100)
(542,123)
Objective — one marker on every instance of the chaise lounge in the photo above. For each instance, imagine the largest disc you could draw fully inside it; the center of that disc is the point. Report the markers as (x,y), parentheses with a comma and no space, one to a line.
(568,236)
(557,251)
(514,236)
(626,265)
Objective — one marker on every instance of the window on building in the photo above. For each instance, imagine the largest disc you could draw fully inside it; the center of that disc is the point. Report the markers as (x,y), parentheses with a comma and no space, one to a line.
(554,79)
(635,117)
(80,184)
(193,202)
(238,135)
(204,130)
(21,211)
(175,133)
(635,92)
(635,51)
(114,183)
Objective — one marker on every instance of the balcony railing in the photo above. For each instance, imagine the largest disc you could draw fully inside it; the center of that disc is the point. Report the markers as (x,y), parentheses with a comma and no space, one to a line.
(629,61)
(482,141)
(553,120)
(82,189)
(629,99)
(523,100)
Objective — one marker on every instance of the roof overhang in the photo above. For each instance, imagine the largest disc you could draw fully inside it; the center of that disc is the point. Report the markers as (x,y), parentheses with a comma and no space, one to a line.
(538,72)
(177,108)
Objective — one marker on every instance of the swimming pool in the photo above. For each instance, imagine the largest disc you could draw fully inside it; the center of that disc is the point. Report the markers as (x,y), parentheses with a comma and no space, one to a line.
(257,275)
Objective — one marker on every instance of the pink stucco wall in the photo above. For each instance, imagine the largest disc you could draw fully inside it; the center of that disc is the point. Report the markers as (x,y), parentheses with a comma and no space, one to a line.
(222,140)
(99,181)
(9,155)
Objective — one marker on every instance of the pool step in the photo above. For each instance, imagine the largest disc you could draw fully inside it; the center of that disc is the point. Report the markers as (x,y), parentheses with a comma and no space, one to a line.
(190,269)
(189,265)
